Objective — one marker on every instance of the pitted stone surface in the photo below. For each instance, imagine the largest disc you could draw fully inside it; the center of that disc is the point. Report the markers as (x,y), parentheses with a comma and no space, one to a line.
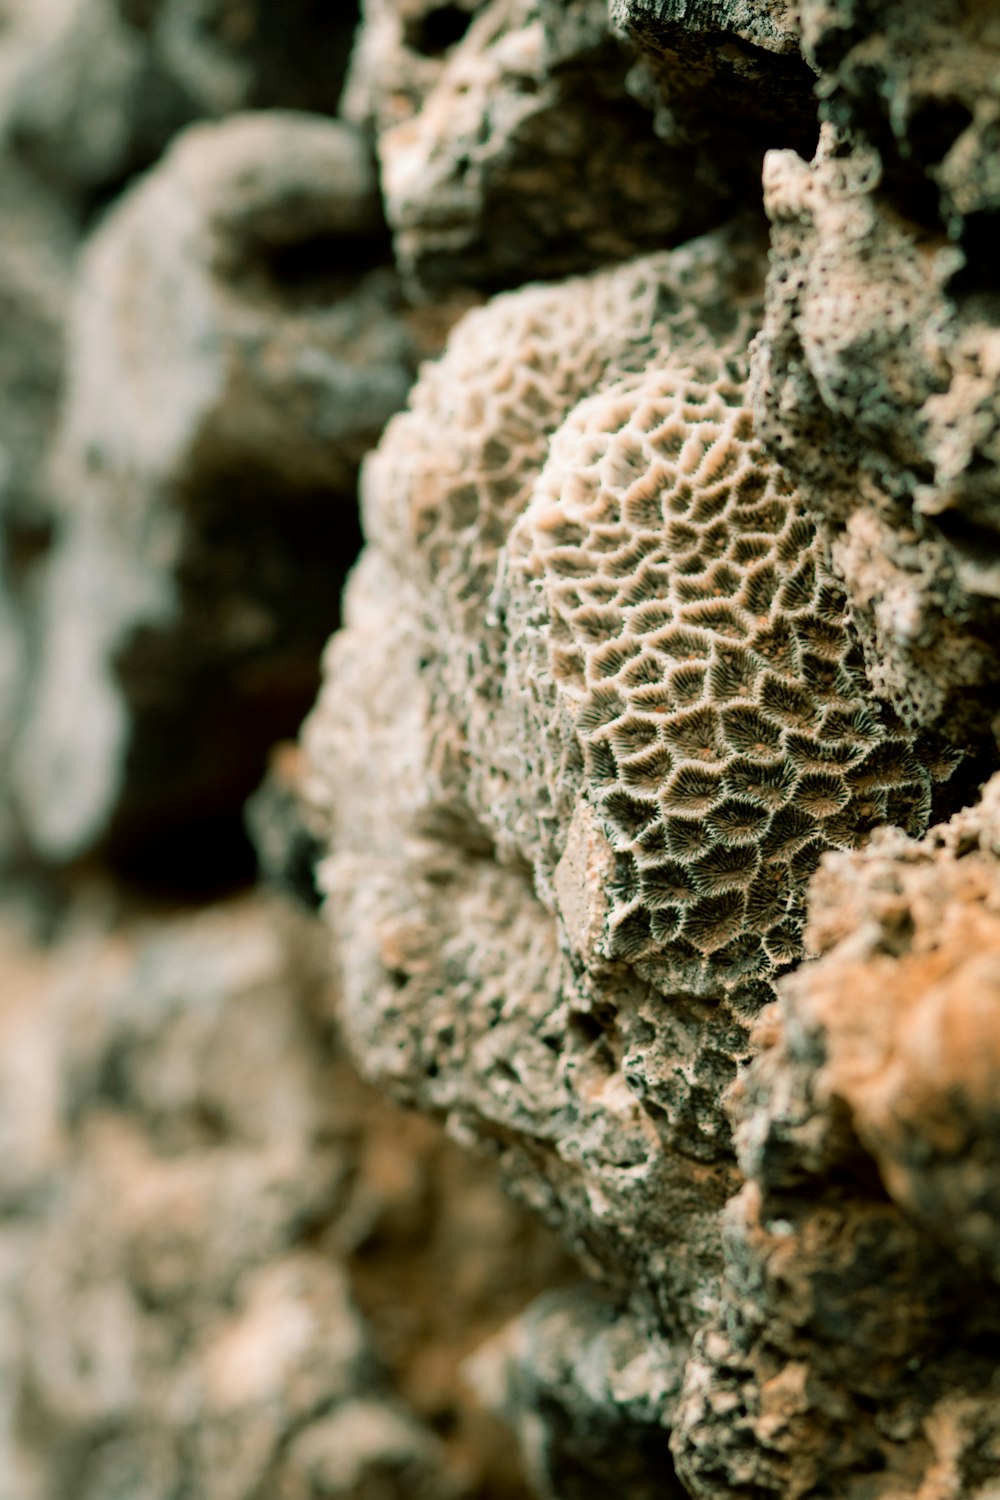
(705,656)
(510,144)
(568,851)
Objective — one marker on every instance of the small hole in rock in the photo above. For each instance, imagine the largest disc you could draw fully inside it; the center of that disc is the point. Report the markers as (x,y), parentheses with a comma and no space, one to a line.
(436,32)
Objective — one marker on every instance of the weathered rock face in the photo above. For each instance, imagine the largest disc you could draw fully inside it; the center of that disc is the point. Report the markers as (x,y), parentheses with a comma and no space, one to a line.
(569,850)
(727,73)
(189,1177)
(867,1129)
(509,144)
(635,651)
(237,345)
(876,373)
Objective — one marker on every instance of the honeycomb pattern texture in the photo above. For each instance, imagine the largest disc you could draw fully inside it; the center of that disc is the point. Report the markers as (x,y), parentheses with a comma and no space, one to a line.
(455,471)
(706,658)
(596,712)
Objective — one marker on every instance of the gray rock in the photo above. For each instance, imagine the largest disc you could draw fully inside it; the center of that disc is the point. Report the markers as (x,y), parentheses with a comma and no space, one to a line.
(518,151)
(237,345)
(95,89)
(591,1394)
(727,73)
(876,371)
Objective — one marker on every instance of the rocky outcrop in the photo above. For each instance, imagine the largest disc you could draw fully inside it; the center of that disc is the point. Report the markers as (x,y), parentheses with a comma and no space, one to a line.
(673,632)
(867,1131)
(569,852)
(510,145)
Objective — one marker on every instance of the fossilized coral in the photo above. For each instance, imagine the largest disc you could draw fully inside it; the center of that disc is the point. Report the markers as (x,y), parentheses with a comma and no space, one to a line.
(706,658)
(627,716)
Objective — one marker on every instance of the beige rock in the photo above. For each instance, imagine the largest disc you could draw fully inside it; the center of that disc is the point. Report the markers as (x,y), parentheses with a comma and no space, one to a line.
(859,1311)
(218,1250)
(589,612)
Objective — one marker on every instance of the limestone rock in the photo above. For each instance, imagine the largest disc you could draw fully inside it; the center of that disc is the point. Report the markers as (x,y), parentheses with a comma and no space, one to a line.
(876,373)
(237,345)
(568,851)
(890,1036)
(859,1309)
(729,73)
(510,147)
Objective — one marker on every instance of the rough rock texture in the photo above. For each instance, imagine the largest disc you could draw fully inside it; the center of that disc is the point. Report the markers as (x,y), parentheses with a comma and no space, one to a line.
(94,89)
(423,907)
(634,652)
(517,148)
(569,850)
(591,1395)
(729,73)
(191,1181)
(237,345)
(876,373)
(867,1129)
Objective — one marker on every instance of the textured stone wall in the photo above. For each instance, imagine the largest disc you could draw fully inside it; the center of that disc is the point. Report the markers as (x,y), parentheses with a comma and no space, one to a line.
(583,415)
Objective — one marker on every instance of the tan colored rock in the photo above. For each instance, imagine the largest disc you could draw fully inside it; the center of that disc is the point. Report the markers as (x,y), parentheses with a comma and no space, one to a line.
(584,608)
(898,1018)
(859,1310)
(218,1249)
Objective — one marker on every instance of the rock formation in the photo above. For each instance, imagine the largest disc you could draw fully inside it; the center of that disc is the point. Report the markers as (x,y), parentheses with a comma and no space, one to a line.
(237,344)
(641,833)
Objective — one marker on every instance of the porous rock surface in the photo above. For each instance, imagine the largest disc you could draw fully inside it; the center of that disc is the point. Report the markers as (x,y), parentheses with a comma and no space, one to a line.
(727,73)
(193,1183)
(508,140)
(569,852)
(867,1130)
(875,377)
(624,667)
(237,344)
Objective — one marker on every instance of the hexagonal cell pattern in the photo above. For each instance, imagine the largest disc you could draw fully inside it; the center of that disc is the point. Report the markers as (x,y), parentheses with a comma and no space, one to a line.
(707,659)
